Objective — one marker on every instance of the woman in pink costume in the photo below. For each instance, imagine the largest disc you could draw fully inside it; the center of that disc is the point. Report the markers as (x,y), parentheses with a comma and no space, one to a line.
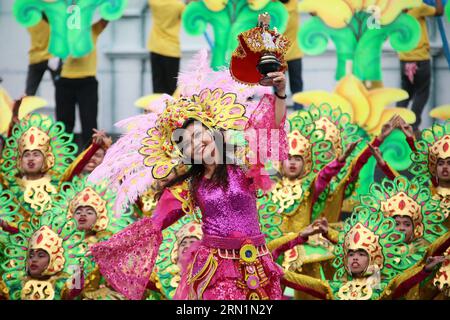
(232,260)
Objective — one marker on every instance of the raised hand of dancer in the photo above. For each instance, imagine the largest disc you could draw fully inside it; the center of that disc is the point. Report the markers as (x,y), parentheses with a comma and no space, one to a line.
(406,128)
(318,226)
(389,126)
(350,147)
(99,137)
(377,154)
(432,262)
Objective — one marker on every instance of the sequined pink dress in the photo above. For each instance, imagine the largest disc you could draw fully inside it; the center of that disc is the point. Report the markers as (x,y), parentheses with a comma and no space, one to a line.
(231,262)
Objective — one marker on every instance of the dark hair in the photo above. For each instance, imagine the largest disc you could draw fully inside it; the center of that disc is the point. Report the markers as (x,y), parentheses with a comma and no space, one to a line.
(197,171)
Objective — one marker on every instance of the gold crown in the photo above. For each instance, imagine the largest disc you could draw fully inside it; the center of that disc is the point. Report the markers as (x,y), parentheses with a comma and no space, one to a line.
(47,240)
(403,205)
(360,237)
(213,108)
(439,150)
(89,198)
(300,146)
(191,229)
(36,139)
(332,133)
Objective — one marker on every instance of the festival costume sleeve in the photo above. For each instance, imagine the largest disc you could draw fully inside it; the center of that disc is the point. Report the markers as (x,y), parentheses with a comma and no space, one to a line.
(127,259)
(312,286)
(438,247)
(324,177)
(411,143)
(388,171)
(10,228)
(79,163)
(332,235)
(262,121)
(400,285)
(362,160)
(285,243)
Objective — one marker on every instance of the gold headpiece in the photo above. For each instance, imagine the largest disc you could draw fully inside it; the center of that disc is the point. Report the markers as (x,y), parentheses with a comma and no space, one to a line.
(300,146)
(332,133)
(439,150)
(36,139)
(360,237)
(89,198)
(191,229)
(215,109)
(403,205)
(47,240)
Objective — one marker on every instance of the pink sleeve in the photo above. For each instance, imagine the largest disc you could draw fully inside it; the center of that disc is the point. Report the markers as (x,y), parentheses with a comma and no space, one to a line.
(362,160)
(127,259)
(287,246)
(324,177)
(267,141)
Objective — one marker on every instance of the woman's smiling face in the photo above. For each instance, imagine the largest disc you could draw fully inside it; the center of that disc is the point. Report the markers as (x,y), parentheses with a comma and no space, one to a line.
(197,143)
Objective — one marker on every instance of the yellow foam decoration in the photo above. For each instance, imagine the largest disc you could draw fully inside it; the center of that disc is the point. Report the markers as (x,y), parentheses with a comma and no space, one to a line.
(337,13)
(367,108)
(317,97)
(145,101)
(30,104)
(442,112)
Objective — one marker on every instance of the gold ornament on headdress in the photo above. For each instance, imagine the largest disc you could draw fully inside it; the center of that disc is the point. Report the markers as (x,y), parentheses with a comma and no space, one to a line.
(214,109)
(360,237)
(47,240)
(332,133)
(89,198)
(439,150)
(191,229)
(300,146)
(403,205)
(36,139)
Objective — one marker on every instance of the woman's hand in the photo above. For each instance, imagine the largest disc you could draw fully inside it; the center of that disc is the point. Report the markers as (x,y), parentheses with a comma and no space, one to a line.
(432,262)
(279,82)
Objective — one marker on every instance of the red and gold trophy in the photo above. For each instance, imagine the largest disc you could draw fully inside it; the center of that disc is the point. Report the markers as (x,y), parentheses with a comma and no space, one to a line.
(260,51)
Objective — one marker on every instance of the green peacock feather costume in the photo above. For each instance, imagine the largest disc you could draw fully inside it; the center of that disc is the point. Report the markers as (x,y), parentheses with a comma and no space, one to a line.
(412,199)
(277,204)
(375,234)
(77,193)
(37,132)
(434,144)
(65,246)
(340,131)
